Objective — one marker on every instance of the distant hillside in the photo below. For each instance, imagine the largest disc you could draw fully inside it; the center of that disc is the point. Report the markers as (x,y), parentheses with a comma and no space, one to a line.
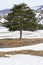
(5,11)
(38,8)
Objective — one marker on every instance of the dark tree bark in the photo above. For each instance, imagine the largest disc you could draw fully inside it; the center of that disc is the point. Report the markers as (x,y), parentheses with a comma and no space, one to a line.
(20,34)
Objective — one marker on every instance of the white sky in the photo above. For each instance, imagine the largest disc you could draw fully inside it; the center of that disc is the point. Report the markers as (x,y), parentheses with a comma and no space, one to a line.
(9,3)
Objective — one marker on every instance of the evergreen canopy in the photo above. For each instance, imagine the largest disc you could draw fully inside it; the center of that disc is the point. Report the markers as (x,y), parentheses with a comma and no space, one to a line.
(21,17)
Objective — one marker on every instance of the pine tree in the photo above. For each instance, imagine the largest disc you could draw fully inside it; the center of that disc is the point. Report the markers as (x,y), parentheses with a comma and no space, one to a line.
(21,17)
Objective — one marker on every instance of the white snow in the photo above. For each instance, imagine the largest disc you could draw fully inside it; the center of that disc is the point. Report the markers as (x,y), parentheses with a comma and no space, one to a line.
(22,60)
(4,33)
(3,29)
(2,20)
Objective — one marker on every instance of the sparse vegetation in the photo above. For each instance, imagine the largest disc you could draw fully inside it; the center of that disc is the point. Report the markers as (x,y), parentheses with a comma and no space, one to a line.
(7,43)
(31,52)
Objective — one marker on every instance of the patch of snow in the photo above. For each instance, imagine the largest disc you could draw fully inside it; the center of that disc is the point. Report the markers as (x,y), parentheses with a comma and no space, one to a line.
(41,22)
(3,29)
(5,33)
(21,60)
(2,20)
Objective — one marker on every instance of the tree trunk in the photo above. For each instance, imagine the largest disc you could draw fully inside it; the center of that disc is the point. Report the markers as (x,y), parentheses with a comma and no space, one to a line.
(20,34)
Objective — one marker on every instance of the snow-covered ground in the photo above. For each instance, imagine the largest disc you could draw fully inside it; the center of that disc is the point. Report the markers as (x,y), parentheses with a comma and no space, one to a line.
(4,33)
(22,60)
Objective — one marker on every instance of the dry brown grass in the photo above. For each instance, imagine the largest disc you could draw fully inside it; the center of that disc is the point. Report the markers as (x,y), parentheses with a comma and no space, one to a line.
(31,52)
(17,42)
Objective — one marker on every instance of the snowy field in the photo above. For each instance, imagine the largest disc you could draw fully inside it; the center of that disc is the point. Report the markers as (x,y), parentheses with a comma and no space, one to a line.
(21,59)
(4,33)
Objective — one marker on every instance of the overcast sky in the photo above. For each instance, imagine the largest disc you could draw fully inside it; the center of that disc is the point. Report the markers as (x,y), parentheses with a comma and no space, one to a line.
(9,3)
